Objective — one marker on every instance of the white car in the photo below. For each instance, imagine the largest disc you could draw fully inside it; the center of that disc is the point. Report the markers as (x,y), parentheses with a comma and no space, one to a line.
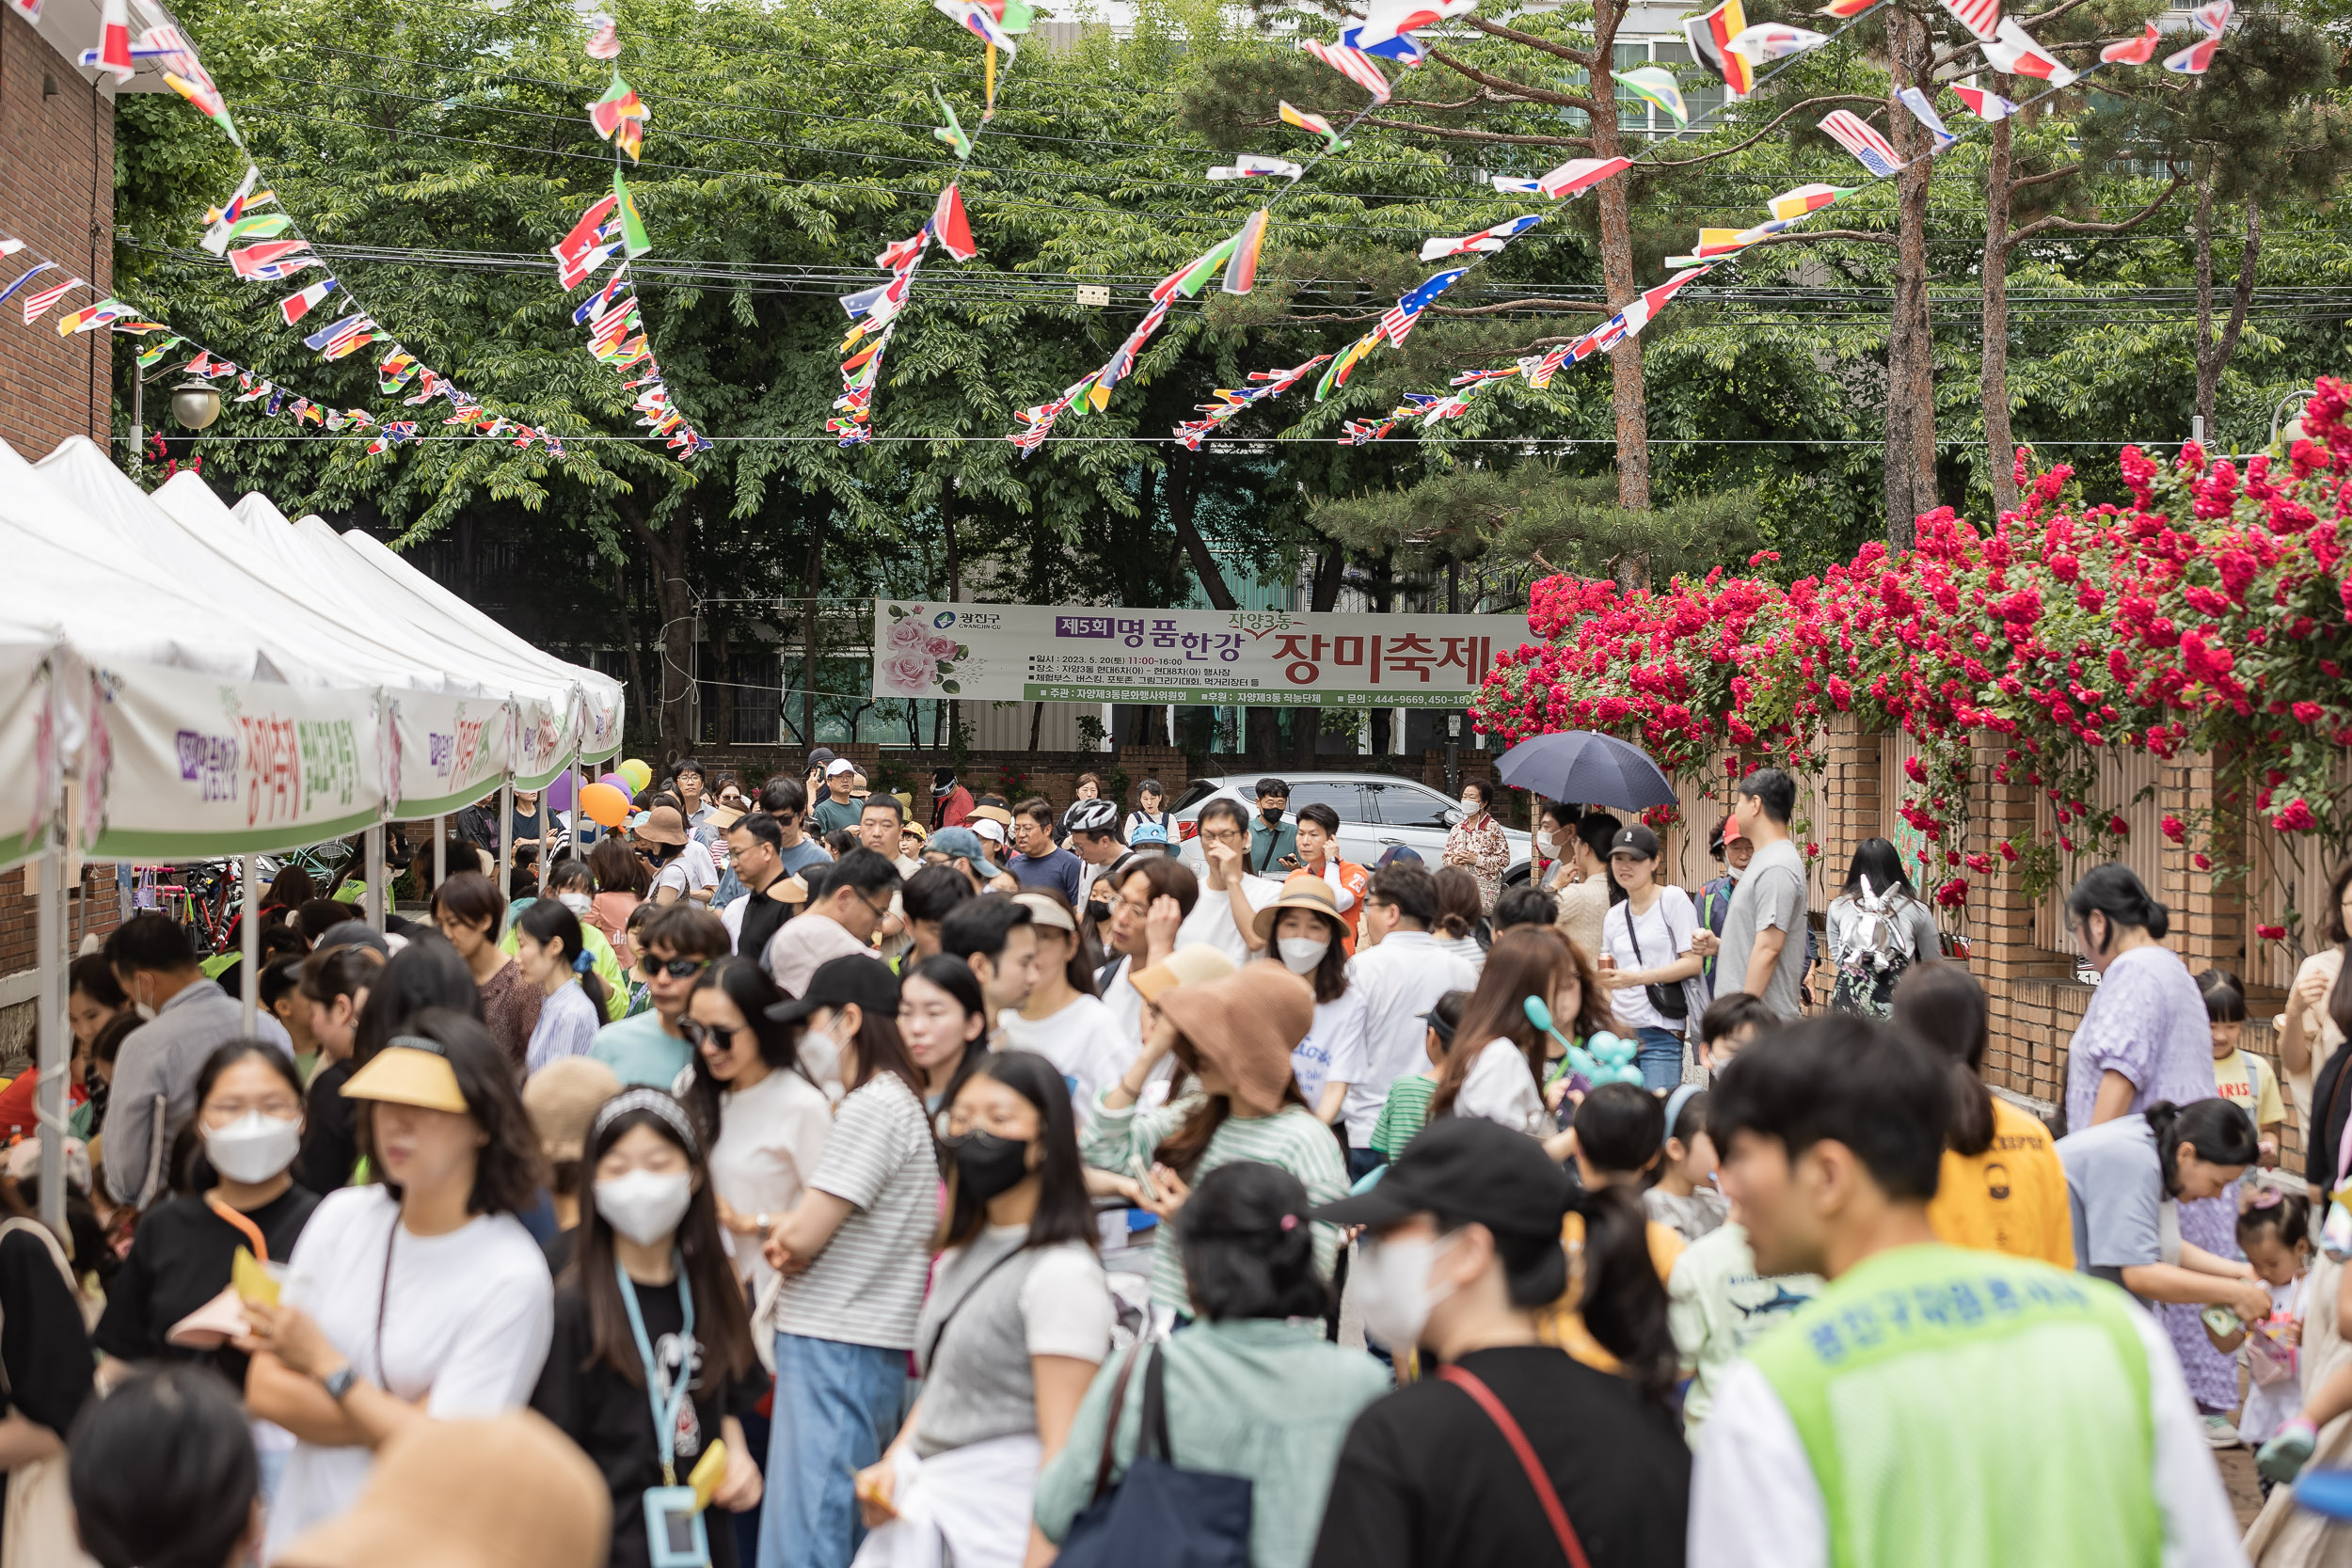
(1376,810)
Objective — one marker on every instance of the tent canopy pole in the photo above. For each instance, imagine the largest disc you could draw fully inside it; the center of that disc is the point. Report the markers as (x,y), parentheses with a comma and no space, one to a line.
(249,972)
(56,1047)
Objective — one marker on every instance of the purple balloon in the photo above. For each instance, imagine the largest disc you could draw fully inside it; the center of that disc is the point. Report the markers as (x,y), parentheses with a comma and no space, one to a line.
(618,782)
(558,794)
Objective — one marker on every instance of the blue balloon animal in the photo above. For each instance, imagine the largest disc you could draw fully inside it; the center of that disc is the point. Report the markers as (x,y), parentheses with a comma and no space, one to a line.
(1608,1059)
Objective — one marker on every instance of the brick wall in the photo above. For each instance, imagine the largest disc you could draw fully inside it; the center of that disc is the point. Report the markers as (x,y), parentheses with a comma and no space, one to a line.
(56,193)
(91,908)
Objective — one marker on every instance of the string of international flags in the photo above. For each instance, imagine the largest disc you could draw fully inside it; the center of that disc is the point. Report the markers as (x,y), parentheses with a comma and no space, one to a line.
(1722,40)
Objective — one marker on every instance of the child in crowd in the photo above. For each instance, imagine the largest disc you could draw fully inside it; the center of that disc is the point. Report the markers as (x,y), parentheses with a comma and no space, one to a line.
(1684,1197)
(2239,1076)
(1728,1023)
(640,990)
(2274,1233)
(1620,1136)
(1406,1111)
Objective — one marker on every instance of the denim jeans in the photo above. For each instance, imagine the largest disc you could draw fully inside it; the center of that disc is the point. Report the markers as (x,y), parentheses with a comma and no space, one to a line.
(1363,1162)
(1661,1058)
(837,1407)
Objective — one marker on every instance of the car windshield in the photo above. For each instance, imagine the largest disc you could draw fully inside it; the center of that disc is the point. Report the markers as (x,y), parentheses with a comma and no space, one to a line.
(1402,805)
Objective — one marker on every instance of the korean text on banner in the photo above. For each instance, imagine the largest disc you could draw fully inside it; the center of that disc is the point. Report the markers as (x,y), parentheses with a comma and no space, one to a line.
(1269,658)
(201,766)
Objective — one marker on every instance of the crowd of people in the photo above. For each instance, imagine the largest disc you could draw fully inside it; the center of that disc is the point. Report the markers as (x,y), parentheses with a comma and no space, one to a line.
(790,1184)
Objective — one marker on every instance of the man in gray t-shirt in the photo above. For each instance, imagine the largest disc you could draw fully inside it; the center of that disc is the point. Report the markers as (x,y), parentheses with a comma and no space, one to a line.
(1765,925)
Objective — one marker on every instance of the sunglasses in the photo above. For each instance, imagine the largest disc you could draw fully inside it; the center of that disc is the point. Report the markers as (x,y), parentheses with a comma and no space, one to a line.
(676,969)
(698,1035)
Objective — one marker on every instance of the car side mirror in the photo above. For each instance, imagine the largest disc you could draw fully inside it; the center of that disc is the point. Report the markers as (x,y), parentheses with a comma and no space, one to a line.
(1454,816)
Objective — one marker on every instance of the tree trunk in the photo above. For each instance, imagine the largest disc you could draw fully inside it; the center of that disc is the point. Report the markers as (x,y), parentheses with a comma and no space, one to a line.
(1037,723)
(1264,734)
(1177,486)
(810,579)
(1628,394)
(665,551)
(1383,595)
(1993,384)
(1323,591)
(722,654)
(628,633)
(2213,356)
(1910,454)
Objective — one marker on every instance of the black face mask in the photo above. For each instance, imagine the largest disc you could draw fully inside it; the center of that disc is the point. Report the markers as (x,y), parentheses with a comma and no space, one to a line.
(986,1165)
(1272,813)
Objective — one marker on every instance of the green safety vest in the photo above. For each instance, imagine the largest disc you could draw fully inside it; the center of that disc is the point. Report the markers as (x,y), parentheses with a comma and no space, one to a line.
(1966,1409)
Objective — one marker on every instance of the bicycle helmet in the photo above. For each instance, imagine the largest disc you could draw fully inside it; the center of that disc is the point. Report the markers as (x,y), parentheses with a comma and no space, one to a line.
(1092,816)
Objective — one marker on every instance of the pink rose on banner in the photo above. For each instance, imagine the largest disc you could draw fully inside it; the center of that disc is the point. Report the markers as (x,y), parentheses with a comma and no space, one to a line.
(910,669)
(940,647)
(905,634)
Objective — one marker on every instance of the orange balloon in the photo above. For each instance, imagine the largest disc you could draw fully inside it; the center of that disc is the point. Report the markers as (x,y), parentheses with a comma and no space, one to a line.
(605,805)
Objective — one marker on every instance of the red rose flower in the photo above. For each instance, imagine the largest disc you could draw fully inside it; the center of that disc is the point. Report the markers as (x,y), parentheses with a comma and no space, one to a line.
(2271,933)
(2174,829)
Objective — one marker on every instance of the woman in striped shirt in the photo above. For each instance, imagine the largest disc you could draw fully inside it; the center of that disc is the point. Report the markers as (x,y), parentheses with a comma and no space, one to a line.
(1234,1037)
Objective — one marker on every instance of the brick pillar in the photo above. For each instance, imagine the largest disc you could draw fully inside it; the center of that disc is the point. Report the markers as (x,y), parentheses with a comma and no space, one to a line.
(2209,925)
(2024,1055)
(1849,794)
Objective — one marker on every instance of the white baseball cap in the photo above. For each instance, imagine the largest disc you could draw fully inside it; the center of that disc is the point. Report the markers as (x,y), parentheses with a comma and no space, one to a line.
(839,764)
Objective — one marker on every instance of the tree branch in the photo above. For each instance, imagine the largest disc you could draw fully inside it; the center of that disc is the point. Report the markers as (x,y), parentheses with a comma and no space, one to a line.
(1586,57)
(2056,225)
(1491,138)
(1794,108)
(1861,236)
(2031,179)
(1518,89)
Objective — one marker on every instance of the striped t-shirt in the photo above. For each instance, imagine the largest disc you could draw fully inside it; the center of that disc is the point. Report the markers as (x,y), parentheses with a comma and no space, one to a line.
(1404,1113)
(1291,1139)
(867,1287)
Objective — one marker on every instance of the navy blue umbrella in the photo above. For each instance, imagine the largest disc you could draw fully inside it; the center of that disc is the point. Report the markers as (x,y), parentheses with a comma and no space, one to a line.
(1587,769)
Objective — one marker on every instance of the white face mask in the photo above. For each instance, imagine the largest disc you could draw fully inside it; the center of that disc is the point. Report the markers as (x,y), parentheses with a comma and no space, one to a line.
(579,902)
(254,1148)
(645,1204)
(1544,845)
(1396,1291)
(1733,871)
(1470,804)
(820,1057)
(1301,954)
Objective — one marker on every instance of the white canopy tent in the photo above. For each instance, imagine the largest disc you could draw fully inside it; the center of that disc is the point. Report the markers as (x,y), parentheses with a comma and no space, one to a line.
(180,680)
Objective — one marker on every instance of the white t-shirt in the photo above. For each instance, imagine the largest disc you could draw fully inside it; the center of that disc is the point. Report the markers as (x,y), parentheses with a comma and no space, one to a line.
(1126,1004)
(701,870)
(1401,978)
(1754,1502)
(466,1318)
(1083,1041)
(1211,921)
(1663,934)
(1339,1024)
(1501,1089)
(867,1287)
(676,876)
(770,1137)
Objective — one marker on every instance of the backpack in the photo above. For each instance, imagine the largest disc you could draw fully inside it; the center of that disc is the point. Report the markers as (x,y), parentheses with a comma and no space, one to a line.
(1879,949)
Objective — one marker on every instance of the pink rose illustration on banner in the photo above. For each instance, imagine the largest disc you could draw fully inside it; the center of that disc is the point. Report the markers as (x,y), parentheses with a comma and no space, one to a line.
(911,670)
(908,634)
(940,647)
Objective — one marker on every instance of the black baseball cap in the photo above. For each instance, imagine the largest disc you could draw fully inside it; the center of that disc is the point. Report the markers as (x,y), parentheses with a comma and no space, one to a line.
(1465,1170)
(1634,839)
(818,756)
(838,982)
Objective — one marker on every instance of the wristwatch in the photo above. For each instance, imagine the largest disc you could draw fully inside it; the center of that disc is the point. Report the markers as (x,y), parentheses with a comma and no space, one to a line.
(340,1381)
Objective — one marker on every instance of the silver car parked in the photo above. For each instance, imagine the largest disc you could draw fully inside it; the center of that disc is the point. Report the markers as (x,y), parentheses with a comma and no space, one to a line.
(1375,810)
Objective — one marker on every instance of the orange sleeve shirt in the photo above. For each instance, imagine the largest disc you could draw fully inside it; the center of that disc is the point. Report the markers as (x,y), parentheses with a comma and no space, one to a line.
(2009,1198)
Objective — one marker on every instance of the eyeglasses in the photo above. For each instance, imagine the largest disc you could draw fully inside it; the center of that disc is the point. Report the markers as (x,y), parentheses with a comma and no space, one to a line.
(676,969)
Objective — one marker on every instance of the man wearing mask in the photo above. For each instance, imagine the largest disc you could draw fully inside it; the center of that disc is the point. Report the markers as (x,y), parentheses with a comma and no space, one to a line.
(997,938)
(673,948)
(1531,1456)
(846,908)
(155,963)
(840,809)
(1270,837)
(755,849)
(2077,1440)
(1735,849)
(950,801)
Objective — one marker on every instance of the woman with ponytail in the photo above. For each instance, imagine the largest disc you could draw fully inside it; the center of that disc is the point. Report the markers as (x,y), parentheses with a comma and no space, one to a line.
(1251,1388)
(2002,1188)
(2145,1039)
(553,953)
(2121,1176)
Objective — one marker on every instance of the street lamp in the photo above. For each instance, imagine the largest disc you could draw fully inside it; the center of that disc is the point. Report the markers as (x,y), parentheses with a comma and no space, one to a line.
(2292,429)
(195,403)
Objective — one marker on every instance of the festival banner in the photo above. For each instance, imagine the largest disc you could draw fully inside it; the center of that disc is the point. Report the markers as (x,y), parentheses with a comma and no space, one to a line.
(1278,658)
(196,766)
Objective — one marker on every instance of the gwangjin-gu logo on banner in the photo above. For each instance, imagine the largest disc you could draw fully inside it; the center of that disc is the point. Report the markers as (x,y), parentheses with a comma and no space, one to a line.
(210,763)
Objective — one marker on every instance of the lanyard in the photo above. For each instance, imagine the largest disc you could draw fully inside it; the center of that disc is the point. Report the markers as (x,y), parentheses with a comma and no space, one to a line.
(665,1412)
